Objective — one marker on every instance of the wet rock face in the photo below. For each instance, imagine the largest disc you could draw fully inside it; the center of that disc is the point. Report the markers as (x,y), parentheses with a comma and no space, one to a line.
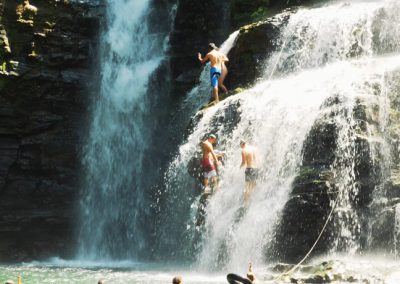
(385,210)
(375,199)
(46,51)
(254,45)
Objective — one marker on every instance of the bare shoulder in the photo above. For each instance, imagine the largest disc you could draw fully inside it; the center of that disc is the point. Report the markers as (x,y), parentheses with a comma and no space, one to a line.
(206,144)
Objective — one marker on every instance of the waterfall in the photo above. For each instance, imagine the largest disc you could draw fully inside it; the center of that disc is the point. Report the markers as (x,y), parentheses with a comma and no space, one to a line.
(115,204)
(340,53)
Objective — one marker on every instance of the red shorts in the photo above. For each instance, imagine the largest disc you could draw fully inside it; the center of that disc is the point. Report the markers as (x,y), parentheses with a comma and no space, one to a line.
(208,165)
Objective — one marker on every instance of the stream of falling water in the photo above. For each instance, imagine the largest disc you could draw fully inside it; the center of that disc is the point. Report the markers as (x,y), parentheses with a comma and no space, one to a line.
(329,52)
(114,204)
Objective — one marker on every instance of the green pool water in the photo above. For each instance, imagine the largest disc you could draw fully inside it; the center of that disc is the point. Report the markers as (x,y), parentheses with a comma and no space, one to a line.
(45,274)
(371,269)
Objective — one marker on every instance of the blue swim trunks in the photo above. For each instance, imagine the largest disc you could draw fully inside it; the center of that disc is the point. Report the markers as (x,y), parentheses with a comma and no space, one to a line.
(214,74)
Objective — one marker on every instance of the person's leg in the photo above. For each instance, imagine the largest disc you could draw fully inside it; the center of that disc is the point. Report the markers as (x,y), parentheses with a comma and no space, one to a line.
(252,185)
(222,78)
(214,83)
(214,181)
(215,94)
(236,279)
(246,195)
(205,180)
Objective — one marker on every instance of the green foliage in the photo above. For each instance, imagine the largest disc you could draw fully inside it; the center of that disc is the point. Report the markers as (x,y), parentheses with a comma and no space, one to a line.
(245,11)
(260,14)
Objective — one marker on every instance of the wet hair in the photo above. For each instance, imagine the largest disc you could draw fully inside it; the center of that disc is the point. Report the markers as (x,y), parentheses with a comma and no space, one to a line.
(212,46)
(242,142)
(212,136)
(177,280)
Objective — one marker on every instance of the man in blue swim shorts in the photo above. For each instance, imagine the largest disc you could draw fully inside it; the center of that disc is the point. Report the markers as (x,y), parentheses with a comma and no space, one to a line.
(216,58)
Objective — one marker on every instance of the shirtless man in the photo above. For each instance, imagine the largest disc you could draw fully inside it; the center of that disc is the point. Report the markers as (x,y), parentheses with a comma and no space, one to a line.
(217,59)
(209,163)
(251,172)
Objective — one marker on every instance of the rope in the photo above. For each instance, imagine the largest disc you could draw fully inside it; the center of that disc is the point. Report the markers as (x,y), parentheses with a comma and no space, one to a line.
(292,270)
(280,55)
(312,248)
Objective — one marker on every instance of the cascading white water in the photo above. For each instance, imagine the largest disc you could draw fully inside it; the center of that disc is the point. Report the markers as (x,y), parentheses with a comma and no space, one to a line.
(114,201)
(332,51)
(396,235)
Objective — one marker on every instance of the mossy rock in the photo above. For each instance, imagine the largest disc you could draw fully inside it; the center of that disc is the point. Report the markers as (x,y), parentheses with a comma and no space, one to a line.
(244,11)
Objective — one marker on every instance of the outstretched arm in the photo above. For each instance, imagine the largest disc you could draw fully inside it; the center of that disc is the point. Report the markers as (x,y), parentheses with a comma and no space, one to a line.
(203,60)
(250,275)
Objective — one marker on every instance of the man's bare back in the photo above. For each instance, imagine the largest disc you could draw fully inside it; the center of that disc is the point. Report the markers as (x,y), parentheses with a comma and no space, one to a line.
(249,157)
(216,58)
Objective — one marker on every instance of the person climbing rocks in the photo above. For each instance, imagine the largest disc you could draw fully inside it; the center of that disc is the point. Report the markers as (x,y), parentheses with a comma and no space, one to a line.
(236,279)
(209,163)
(217,59)
(251,172)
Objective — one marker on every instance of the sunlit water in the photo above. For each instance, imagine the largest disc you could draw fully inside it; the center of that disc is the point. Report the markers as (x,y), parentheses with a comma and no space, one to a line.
(59,271)
(333,52)
(371,269)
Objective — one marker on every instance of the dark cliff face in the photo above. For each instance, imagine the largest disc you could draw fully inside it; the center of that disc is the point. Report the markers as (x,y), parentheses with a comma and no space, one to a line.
(196,24)
(46,57)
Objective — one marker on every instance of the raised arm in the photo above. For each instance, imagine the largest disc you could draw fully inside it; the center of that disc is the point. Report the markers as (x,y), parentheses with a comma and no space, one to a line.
(203,60)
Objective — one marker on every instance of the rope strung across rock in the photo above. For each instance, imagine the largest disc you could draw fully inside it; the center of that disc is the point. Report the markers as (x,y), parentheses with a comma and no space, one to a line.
(312,248)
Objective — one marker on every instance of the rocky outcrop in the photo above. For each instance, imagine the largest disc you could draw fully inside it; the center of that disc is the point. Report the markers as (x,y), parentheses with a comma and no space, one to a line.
(255,43)
(198,23)
(46,52)
(373,195)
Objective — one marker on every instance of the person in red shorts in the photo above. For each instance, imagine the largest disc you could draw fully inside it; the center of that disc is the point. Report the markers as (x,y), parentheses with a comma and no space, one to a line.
(209,163)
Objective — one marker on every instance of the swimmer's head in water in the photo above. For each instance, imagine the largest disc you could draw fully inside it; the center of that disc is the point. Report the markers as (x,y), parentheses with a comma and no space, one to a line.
(177,280)
(251,276)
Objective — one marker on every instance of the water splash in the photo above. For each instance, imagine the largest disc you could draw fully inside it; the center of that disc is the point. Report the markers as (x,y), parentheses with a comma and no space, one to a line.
(331,52)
